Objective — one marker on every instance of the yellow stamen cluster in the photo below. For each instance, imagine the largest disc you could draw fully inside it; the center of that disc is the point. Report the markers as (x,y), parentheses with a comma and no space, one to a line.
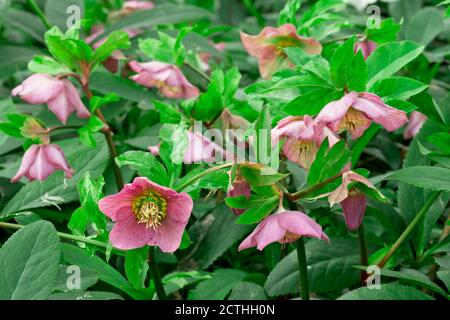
(150,208)
(305,151)
(353,120)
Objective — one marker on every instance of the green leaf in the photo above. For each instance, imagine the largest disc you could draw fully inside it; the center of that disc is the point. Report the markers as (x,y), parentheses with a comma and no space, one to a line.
(15,58)
(247,291)
(288,13)
(428,106)
(77,256)
(425,25)
(167,49)
(218,287)
(390,291)
(389,58)
(116,40)
(257,175)
(44,64)
(400,88)
(330,268)
(57,11)
(211,242)
(167,113)
(54,191)
(312,102)
(97,102)
(387,32)
(432,178)
(145,164)
(29,263)
(258,210)
(26,22)
(178,280)
(85,295)
(262,138)
(136,266)
(328,162)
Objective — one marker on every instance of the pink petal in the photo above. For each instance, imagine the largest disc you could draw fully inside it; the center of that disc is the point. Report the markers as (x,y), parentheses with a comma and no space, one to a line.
(28,159)
(266,232)
(55,156)
(416,121)
(179,207)
(366,47)
(61,107)
(74,98)
(40,169)
(168,235)
(38,88)
(354,208)
(127,233)
(298,223)
(336,110)
(376,110)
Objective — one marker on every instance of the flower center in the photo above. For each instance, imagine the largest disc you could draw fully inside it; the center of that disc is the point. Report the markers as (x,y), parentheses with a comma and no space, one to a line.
(353,120)
(150,208)
(304,152)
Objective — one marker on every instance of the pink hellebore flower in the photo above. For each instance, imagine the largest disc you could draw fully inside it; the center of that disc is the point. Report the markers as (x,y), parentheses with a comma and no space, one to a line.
(239,187)
(130,6)
(60,95)
(168,78)
(283,227)
(146,213)
(303,138)
(201,149)
(416,121)
(355,111)
(268,47)
(40,161)
(353,202)
(366,47)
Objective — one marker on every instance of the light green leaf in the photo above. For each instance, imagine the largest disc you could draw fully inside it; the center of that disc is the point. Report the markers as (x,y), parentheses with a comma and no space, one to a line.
(425,25)
(145,164)
(432,178)
(400,88)
(218,287)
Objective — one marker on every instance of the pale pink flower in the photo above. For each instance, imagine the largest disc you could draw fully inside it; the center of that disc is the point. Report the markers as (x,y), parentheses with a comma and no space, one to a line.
(146,213)
(303,138)
(268,47)
(201,149)
(283,227)
(366,47)
(60,95)
(352,201)
(154,150)
(133,5)
(168,78)
(355,111)
(40,161)
(239,187)
(416,121)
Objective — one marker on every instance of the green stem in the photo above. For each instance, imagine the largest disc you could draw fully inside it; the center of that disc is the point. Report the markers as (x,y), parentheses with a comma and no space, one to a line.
(62,235)
(198,71)
(363,252)
(39,12)
(202,174)
(155,275)
(410,228)
(303,269)
(302,193)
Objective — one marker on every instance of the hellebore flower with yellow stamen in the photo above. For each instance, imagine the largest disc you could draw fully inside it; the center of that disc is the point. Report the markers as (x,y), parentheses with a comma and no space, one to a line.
(283,227)
(366,47)
(352,201)
(40,161)
(167,78)
(303,138)
(416,121)
(146,213)
(355,111)
(60,95)
(268,47)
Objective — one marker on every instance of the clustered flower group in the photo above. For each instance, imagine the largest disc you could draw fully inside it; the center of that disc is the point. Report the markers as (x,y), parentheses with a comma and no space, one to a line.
(146,213)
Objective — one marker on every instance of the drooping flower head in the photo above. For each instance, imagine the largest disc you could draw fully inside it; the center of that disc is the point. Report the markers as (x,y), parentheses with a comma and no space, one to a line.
(268,47)
(303,138)
(355,111)
(60,95)
(201,149)
(239,187)
(167,78)
(352,201)
(40,161)
(366,47)
(283,227)
(146,213)
(416,121)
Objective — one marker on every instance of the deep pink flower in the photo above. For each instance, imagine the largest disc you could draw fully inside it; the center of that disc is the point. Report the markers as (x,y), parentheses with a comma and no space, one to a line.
(40,161)
(303,138)
(352,201)
(146,213)
(168,78)
(268,47)
(201,149)
(60,95)
(283,227)
(416,121)
(355,111)
(239,187)
(366,47)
